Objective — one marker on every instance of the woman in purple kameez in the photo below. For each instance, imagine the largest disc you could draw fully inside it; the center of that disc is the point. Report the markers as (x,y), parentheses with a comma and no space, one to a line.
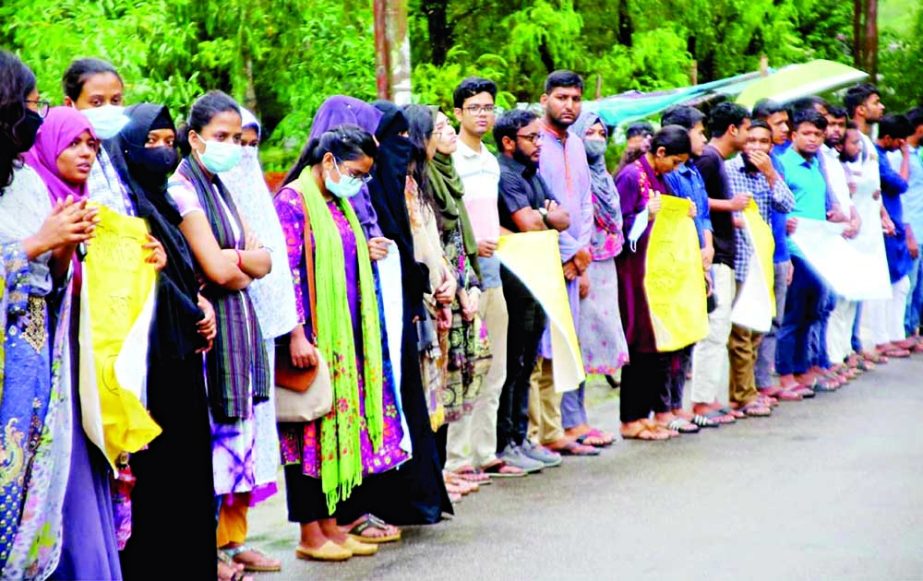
(646,379)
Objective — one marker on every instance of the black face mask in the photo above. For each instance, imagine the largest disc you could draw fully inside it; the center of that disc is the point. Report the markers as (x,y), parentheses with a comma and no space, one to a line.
(25,131)
(157,163)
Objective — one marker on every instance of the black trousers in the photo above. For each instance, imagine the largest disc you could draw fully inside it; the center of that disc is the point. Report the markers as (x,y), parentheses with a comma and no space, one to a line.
(305,497)
(527,323)
(647,384)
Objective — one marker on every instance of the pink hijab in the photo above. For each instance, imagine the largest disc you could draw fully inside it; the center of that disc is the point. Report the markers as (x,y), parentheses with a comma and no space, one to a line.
(61,126)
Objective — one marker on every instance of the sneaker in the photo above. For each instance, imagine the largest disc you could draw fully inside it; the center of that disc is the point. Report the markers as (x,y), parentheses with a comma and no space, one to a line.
(542,454)
(513,456)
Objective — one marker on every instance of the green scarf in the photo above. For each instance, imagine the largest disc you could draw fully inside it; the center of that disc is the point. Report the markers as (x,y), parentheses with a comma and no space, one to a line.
(448,191)
(341,453)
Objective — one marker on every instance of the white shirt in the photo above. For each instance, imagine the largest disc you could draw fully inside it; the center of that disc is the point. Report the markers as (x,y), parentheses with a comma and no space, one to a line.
(836,177)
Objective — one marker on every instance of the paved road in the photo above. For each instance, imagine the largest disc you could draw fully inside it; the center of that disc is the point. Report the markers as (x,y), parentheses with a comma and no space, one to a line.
(825,489)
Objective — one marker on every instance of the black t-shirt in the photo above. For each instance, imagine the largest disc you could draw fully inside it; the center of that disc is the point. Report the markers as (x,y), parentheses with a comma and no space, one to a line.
(711,166)
(520,187)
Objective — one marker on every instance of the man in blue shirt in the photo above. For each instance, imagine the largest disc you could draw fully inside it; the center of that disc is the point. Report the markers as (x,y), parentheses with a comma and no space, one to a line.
(807,292)
(686,182)
(888,332)
(912,203)
(776,116)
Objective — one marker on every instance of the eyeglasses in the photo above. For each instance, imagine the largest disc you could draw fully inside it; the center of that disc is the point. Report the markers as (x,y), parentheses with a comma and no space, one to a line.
(530,137)
(41,106)
(362,177)
(477,109)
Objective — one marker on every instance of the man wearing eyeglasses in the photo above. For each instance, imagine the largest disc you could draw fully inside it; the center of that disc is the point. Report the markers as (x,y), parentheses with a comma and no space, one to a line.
(472,441)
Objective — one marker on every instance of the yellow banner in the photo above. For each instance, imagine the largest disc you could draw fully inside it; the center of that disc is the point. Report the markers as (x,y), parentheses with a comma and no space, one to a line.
(116,310)
(755,305)
(674,281)
(535,259)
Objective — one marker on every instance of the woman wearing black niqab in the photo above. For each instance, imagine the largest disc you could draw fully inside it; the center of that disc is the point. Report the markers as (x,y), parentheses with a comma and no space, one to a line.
(173,498)
(415,493)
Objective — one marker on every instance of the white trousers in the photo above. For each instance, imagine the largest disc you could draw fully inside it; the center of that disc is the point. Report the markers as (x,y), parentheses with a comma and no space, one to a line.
(883,320)
(839,330)
(710,363)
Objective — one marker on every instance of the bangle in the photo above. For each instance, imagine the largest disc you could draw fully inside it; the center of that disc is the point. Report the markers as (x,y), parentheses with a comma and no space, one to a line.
(240,260)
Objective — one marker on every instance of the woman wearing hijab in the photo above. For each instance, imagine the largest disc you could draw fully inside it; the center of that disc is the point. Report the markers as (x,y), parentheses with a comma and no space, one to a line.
(467,355)
(37,242)
(272,295)
(602,340)
(648,376)
(144,156)
(228,257)
(63,154)
(416,493)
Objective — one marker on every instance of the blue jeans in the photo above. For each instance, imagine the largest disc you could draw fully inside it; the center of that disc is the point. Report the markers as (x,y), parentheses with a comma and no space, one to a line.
(804,304)
(914,298)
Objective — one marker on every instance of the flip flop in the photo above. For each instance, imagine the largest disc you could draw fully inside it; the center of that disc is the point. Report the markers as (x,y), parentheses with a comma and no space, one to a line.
(503,470)
(645,434)
(252,567)
(472,474)
(683,426)
(371,521)
(575,449)
(720,417)
(704,422)
(595,434)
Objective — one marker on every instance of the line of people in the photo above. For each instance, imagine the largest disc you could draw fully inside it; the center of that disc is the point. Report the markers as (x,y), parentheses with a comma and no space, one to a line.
(377,258)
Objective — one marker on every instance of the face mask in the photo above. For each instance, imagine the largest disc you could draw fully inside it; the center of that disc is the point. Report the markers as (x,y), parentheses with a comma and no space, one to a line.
(157,162)
(595,148)
(25,131)
(248,154)
(637,229)
(220,156)
(347,187)
(107,120)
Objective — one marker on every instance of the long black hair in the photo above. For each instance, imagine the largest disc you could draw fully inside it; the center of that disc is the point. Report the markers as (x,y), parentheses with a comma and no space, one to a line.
(421,121)
(345,142)
(201,114)
(16,82)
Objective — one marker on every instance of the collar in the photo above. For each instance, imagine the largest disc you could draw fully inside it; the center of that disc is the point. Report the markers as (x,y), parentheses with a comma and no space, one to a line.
(467,152)
(802,160)
(517,166)
(553,131)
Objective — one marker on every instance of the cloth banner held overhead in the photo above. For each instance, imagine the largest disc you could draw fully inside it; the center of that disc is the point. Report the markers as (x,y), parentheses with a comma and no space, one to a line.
(116,310)
(534,258)
(674,281)
(857,270)
(755,305)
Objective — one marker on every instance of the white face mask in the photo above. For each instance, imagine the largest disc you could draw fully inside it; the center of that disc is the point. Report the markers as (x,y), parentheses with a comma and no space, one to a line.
(220,156)
(107,120)
(637,229)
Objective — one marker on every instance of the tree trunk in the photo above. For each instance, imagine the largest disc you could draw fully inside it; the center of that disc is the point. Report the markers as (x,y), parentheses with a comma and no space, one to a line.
(392,51)
(625,28)
(858,40)
(440,37)
(871,38)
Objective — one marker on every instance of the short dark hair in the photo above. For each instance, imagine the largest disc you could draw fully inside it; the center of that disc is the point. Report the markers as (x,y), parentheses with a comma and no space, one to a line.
(674,139)
(563,79)
(809,116)
(810,102)
(682,115)
(760,124)
(201,114)
(915,117)
(509,124)
(80,70)
(472,86)
(894,126)
(857,95)
(724,115)
(837,112)
(765,108)
(852,125)
(636,129)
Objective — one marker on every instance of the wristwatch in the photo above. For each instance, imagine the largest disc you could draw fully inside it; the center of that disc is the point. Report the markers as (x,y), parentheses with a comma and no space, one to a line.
(544,212)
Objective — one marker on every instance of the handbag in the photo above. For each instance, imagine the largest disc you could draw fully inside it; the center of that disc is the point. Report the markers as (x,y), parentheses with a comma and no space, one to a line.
(305,394)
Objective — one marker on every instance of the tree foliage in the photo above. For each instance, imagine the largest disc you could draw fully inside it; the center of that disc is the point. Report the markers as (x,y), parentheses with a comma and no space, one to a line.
(284,57)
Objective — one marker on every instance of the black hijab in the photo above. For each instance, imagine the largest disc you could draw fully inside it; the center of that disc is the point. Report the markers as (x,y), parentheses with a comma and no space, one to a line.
(387,192)
(144,172)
